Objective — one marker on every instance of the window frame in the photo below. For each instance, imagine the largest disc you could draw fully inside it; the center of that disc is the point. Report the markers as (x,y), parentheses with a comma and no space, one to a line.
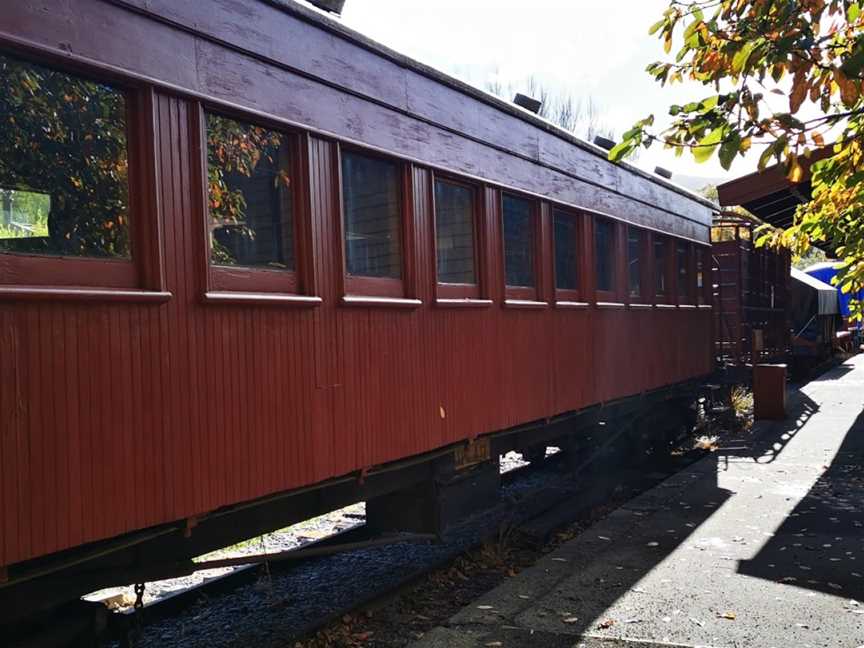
(224,283)
(669,296)
(613,295)
(644,262)
(705,296)
(387,290)
(447,290)
(688,298)
(528,294)
(141,277)
(569,294)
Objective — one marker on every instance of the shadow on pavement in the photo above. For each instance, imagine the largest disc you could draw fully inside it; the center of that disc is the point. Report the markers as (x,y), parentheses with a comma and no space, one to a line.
(766,443)
(819,546)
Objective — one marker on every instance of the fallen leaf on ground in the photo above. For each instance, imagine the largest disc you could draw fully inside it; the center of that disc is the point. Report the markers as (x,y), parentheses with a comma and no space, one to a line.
(484,607)
(607,623)
(727,615)
(604,538)
(697,622)
(571,619)
(653,544)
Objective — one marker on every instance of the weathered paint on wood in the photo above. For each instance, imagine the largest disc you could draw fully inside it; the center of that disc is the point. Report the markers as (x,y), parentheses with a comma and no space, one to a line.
(119,414)
(257,56)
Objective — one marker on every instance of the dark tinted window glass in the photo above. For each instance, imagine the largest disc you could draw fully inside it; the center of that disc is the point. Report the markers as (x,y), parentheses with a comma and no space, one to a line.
(682,259)
(566,269)
(518,241)
(454,224)
(700,275)
(373,221)
(604,253)
(250,195)
(660,266)
(634,261)
(63,164)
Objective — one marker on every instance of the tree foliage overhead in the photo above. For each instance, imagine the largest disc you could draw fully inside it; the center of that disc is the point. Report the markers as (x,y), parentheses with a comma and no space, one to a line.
(785,79)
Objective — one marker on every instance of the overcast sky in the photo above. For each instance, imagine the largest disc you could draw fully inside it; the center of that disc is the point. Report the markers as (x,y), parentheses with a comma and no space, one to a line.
(591,48)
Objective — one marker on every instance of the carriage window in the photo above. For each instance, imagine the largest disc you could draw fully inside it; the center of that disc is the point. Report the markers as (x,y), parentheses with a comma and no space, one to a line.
(604,254)
(682,264)
(634,261)
(566,241)
(249,173)
(454,229)
(700,275)
(660,280)
(372,202)
(518,222)
(63,164)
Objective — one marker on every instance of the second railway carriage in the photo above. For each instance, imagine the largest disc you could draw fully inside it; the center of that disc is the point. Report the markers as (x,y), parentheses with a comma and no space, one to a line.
(248,257)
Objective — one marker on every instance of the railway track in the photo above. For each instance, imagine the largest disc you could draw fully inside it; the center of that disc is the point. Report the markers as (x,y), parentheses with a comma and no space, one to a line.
(290,599)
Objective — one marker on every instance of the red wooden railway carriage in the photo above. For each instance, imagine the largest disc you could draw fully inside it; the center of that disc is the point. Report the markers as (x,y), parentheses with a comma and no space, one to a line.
(248,257)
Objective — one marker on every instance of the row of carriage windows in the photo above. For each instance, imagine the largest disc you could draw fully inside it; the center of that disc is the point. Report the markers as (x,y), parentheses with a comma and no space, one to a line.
(64,191)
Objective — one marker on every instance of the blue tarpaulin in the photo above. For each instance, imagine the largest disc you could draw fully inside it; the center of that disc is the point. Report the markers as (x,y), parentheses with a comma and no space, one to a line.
(825,272)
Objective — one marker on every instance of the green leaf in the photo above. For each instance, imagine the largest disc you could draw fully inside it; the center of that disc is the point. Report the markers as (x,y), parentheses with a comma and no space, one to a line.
(773,149)
(728,149)
(853,12)
(710,103)
(708,144)
(656,27)
(621,150)
(742,56)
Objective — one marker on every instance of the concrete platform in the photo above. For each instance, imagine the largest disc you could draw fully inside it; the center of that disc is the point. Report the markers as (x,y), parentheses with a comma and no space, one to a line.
(760,544)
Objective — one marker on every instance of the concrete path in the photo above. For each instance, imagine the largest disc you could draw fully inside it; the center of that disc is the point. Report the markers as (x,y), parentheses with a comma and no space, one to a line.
(761,544)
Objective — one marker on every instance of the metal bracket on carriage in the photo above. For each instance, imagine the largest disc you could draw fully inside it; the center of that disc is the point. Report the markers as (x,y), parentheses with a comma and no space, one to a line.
(475,451)
(191,523)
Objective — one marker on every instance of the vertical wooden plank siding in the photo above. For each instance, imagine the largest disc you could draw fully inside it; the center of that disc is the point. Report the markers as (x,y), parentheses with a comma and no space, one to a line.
(115,417)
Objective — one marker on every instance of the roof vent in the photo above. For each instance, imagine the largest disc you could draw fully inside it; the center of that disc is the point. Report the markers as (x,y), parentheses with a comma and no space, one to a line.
(333,6)
(528,103)
(604,142)
(663,173)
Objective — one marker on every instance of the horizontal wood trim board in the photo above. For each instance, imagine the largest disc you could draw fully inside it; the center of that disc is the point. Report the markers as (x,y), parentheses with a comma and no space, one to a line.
(40,293)
(528,304)
(572,305)
(464,303)
(621,199)
(299,301)
(381,302)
